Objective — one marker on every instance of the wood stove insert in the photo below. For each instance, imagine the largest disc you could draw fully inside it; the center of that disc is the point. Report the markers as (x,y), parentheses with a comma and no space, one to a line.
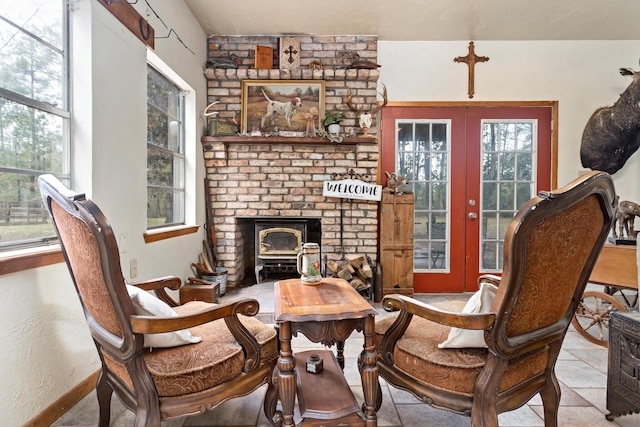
(277,244)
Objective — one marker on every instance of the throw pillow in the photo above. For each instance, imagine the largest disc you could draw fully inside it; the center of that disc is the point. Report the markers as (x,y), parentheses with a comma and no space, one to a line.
(480,302)
(146,304)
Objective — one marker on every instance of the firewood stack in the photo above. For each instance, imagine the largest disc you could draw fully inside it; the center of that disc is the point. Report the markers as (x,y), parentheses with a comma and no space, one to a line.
(355,269)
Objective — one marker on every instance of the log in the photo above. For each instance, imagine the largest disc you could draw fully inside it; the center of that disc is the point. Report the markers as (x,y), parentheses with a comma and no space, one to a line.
(356,260)
(357,284)
(333,266)
(353,268)
(366,271)
(345,274)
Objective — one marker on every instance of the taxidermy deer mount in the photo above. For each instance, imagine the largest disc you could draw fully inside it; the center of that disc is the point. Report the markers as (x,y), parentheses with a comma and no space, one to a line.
(365,117)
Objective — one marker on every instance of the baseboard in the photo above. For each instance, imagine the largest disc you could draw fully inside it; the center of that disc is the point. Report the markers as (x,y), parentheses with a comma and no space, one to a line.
(68,400)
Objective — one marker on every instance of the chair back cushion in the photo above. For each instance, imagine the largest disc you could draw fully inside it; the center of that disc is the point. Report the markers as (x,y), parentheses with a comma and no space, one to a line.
(549,251)
(91,253)
(83,259)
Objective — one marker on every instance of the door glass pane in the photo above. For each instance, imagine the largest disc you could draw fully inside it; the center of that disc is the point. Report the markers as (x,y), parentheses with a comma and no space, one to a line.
(424,158)
(508,180)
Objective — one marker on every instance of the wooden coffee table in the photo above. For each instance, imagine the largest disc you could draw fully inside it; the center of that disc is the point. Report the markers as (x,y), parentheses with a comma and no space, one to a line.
(325,313)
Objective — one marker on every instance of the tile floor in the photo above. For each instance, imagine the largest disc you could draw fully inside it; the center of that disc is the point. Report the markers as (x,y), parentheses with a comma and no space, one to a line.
(581,370)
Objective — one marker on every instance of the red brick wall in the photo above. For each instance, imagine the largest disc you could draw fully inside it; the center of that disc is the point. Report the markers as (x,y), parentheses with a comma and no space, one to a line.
(285,180)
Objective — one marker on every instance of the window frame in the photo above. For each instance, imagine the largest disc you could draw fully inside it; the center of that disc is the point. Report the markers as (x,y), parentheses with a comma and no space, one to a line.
(29,248)
(190,152)
(179,155)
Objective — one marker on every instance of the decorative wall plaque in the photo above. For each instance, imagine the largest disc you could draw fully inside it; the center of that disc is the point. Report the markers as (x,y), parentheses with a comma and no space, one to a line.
(289,53)
(264,57)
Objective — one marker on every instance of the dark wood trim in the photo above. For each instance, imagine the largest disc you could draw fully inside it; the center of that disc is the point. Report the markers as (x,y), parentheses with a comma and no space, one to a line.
(67,401)
(16,263)
(311,140)
(472,104)
(130,18)
(168,234)
(13,264)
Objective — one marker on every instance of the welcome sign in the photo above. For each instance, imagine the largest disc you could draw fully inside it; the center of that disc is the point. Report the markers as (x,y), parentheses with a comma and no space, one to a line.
(352,189)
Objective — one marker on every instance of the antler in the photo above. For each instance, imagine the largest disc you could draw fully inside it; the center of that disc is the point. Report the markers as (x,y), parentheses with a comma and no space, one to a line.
(350,105)
(375,109)
(384,102)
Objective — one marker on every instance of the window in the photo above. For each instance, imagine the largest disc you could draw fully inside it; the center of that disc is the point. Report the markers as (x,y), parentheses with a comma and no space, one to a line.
(509,152)
(34,116)
(165,152)
(424,157)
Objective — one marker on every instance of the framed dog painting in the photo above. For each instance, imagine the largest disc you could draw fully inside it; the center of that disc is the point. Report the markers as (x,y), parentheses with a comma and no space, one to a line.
(283,104)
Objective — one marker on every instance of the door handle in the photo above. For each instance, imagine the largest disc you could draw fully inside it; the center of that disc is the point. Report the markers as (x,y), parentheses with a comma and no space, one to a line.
(473,215)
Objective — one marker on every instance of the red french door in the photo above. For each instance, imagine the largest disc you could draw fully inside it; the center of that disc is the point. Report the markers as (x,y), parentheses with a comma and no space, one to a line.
(470,169)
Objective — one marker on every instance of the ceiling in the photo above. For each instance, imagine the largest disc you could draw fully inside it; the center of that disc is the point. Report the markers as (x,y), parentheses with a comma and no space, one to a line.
(398,20)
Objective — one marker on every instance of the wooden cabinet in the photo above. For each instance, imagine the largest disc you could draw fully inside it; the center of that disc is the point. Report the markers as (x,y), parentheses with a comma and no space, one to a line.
(396,243)
(199,290)
(623,380)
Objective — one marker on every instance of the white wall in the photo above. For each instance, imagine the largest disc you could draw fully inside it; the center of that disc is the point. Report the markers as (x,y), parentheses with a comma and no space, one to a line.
(580,75)
(47,348)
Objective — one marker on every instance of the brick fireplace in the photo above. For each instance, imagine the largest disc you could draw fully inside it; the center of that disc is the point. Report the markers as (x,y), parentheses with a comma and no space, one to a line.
(279,178)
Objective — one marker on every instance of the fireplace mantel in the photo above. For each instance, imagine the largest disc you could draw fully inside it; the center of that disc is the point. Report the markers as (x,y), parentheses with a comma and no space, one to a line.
(314,140)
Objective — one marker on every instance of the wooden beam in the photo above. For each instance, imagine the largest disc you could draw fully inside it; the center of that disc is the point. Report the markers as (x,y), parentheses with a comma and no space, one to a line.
(130,18)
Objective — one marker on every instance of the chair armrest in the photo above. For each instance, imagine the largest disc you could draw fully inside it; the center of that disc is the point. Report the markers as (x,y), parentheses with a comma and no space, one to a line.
(479,321)
(229,312)
(409,307)
(158,285)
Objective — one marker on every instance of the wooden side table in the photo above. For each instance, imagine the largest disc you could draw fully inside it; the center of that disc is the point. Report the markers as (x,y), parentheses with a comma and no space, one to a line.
(616,266)
(326,313)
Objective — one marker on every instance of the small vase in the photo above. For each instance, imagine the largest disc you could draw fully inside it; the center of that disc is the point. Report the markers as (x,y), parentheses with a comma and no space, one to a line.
(333,129)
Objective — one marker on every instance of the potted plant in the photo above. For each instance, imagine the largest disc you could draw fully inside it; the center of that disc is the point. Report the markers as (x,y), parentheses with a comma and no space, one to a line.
(332,121)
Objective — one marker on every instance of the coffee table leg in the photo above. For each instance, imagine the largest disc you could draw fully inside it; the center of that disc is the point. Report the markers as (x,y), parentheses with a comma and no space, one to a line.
(369,374)
(287,383)
(340,353)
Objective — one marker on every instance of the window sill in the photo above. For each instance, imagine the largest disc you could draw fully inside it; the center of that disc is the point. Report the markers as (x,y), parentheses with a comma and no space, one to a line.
(20,261)
(168,233)
(32,259)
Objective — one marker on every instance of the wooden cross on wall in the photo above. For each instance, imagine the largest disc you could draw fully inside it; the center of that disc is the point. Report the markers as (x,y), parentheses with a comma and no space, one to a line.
(471,60)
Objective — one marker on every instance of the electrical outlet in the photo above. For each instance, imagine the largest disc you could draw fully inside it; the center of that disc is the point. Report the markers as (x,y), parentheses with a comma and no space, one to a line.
(133,268)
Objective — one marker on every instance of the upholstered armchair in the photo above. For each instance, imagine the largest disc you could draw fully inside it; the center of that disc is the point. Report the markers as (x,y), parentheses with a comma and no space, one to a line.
(501,350)
(163,361)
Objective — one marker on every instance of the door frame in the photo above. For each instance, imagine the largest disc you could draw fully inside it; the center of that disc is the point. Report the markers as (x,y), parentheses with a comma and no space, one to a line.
(389,149)
(512,104)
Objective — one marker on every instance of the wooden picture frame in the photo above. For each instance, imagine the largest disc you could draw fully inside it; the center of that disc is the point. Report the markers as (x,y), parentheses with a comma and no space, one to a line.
(267,104)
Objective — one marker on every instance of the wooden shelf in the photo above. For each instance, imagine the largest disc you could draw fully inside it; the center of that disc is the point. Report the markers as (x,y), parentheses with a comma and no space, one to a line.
(299,74)
(315,140)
